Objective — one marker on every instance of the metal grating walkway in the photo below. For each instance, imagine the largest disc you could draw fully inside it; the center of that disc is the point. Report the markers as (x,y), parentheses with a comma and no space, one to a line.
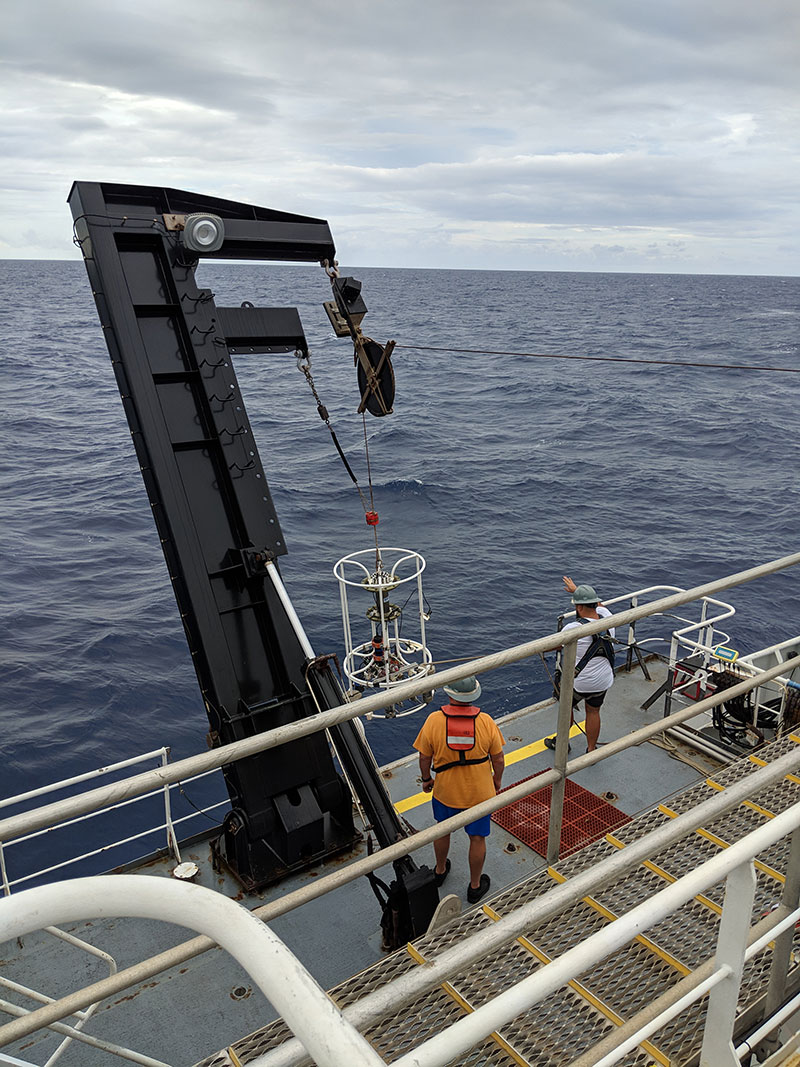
(574,1019)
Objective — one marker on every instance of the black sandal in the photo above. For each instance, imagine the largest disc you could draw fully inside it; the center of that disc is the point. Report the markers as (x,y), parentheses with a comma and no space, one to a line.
(550,742)
(474,895)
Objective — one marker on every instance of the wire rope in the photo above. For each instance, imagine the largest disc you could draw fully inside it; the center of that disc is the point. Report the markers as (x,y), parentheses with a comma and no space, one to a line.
(603,359)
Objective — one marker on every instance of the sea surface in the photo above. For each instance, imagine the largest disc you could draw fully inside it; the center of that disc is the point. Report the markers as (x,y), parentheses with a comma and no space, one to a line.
(504,471)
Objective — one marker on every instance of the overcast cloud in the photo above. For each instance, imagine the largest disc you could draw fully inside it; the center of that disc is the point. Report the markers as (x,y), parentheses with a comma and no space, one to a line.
(544,135)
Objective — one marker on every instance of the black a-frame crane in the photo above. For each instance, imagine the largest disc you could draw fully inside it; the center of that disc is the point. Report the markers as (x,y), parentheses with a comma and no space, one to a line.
(171,350)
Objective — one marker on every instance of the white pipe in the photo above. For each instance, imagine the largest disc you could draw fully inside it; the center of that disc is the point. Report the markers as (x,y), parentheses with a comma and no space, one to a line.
(20,797)
(784,924)
(771,1024)
(288,607)
(385,999)
(303,1004)
(374,1005)
(92,950)
(661,1020)
(74,1034)
(468,1031)
(172,840)
(33,994)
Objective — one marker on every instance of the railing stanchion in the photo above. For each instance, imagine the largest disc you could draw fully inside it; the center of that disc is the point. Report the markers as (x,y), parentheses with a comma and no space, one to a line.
(568,657)
(4,872)
(172,840)
(718,1049)
(634,603)
(782,949)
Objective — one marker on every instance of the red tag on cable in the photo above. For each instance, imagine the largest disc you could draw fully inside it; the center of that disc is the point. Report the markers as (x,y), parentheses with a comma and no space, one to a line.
(372,518)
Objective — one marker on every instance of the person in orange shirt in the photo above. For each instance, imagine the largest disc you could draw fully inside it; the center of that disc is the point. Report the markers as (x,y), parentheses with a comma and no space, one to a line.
(464,748)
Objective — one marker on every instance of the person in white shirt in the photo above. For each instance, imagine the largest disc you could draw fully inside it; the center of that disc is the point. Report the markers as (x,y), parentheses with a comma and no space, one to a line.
(596,676)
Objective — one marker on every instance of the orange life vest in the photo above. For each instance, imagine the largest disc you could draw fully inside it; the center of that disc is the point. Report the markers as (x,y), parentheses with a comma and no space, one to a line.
(460,725)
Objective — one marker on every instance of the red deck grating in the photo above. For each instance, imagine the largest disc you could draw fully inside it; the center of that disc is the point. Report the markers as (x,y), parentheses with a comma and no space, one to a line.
(586,818)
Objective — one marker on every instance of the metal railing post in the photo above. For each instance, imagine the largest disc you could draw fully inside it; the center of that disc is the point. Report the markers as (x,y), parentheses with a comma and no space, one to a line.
(631,635)
(172,840)
(782,949)
(4,872)
(558,790)
(704,630)
(718,1049)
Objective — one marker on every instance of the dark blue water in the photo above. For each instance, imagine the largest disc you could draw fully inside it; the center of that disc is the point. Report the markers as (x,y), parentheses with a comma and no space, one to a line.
(504,472)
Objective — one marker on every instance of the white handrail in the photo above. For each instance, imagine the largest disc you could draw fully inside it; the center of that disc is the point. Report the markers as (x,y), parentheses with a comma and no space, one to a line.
(491,1016)
(57,812)
(78,778)
(169,825)
(304,1005)
(209,761)
(74,1034)
(324,1032)
(179,954)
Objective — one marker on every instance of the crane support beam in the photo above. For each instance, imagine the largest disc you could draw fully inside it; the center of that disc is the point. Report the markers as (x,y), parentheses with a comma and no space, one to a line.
(171,349)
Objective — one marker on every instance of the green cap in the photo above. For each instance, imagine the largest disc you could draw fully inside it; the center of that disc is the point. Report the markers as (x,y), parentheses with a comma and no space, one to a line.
(584,594)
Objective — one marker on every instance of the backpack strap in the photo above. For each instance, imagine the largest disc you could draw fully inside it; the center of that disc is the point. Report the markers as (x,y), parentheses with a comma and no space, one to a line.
(601,647)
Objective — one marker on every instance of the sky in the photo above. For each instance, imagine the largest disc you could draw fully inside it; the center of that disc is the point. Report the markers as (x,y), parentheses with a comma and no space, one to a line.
(588,135)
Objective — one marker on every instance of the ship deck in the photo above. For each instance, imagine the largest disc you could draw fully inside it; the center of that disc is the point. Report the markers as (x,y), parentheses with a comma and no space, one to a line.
(338,935)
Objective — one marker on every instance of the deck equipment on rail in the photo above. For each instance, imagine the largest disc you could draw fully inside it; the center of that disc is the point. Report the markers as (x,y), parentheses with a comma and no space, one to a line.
(390,657)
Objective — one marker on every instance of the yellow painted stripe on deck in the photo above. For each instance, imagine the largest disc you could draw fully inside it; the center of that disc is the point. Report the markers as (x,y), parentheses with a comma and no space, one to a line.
(412,802)
(468,1009)
(745,803)
(718,841)
(701,898)
(643,939)
(533,749)
(583,991)
(764,763)
(667,877)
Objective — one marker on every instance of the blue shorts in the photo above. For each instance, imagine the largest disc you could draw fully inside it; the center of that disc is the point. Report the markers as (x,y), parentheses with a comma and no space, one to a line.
(479,828)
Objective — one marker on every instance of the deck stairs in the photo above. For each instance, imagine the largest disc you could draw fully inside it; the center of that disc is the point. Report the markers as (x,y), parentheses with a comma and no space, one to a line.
(571,1022)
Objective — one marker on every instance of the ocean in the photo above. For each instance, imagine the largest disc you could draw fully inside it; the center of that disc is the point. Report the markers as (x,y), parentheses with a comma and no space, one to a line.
(504,471)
